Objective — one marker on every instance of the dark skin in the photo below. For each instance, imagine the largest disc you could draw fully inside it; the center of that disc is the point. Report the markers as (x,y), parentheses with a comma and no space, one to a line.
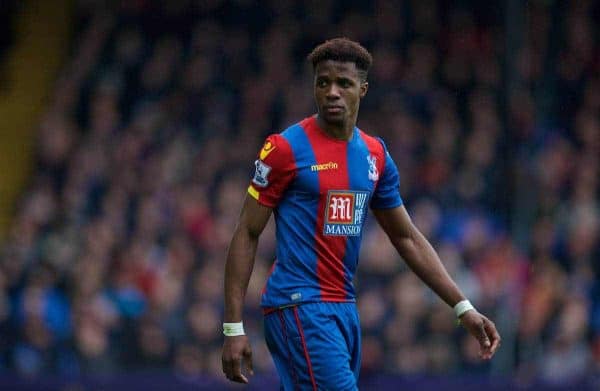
(338,89)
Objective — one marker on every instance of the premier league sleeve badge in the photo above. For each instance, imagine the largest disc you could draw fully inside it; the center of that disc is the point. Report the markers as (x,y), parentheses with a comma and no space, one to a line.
(261,174)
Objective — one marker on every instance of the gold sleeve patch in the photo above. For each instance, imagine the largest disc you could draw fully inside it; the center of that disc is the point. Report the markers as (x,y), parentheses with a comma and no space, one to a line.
(266,150)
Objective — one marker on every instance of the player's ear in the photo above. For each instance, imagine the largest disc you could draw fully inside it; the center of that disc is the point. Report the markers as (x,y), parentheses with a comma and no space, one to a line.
(364,86)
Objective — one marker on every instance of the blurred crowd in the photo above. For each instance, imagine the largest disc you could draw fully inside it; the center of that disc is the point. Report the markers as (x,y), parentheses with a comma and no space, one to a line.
(7,11)
(114,261)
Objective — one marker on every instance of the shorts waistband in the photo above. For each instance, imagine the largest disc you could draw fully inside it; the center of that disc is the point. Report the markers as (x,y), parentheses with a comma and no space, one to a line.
(270,310)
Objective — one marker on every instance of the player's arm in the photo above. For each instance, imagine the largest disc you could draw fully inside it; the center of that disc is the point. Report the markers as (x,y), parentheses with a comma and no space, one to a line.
(424,261)
(274,171)
(240,262)
(240,258)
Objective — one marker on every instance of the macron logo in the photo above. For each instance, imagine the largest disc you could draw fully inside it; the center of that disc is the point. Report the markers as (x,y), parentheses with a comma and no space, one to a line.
(324,166)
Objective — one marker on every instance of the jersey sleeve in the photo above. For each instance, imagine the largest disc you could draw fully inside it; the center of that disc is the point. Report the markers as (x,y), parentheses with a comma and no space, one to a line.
(274,170)
(387,192)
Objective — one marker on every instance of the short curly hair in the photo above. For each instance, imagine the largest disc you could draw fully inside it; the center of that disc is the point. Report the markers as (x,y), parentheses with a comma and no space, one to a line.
(345,50)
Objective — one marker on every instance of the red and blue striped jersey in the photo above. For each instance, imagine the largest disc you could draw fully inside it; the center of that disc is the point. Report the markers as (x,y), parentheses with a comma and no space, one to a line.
(320,188)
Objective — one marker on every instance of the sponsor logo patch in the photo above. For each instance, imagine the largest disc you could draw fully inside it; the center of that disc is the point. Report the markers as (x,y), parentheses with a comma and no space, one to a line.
(345,212)
(261,173)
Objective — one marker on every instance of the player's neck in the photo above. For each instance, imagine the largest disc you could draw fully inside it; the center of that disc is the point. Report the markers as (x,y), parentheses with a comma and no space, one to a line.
(342,132)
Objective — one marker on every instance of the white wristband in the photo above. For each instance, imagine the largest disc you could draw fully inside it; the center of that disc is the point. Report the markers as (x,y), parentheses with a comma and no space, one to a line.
(233,329)
(461,307)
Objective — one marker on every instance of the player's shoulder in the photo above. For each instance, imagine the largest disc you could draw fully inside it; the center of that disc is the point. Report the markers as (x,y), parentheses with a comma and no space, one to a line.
(291,138)
(295,133)
(374,143)
(279,145)
(275,148)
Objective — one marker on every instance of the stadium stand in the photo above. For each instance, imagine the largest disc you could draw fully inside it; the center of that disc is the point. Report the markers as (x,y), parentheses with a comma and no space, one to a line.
(113,261)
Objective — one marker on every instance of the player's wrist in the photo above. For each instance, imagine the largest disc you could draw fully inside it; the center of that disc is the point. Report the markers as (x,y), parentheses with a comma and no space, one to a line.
(462,307)
(233,329)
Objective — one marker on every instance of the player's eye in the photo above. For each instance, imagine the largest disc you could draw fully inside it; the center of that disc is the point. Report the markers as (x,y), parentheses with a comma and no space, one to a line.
(321,83)
(345,83)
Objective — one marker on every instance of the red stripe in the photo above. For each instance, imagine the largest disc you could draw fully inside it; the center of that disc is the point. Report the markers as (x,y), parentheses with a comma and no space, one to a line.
(376,149)
(283,170)
(310,371)
(330,250)
(287,345)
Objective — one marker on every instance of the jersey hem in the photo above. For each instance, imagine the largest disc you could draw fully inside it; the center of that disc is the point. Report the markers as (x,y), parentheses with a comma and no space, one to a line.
(267,309)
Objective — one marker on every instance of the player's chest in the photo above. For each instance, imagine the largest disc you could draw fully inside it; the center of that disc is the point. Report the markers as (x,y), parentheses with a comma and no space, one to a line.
(346,169)
(339,185)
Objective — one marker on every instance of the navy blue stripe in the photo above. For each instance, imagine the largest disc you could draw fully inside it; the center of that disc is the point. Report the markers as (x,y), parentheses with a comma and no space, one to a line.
(357,180)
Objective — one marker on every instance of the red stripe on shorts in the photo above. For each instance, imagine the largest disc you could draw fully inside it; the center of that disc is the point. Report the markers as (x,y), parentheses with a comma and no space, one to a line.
(287,345)
(310,371)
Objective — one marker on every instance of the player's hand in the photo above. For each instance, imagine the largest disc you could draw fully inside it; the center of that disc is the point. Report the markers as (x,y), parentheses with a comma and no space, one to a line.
(235,350)
(484,330)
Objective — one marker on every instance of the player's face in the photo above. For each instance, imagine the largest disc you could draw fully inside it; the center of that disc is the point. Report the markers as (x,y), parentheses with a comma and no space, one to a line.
(338,90)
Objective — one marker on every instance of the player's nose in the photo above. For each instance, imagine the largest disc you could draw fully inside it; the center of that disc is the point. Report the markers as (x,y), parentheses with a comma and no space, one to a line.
(333,92)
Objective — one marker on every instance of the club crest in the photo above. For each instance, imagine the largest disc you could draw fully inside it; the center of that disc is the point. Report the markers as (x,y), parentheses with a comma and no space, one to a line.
(373,173)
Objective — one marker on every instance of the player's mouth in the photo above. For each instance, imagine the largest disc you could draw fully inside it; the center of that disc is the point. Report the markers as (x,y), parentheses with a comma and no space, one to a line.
(334,109)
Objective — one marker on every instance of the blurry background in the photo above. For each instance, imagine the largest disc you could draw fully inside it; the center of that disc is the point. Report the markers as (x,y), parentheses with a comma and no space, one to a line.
(128,131)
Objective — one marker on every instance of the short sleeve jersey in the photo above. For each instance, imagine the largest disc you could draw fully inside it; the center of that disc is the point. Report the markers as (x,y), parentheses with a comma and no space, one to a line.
(320,188)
